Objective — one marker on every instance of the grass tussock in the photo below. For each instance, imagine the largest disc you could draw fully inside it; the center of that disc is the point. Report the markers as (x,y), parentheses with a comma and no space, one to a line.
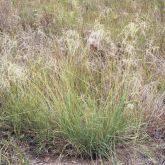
(81,77)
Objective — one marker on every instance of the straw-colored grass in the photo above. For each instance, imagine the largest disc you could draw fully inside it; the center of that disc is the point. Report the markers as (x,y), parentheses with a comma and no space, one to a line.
(81,77)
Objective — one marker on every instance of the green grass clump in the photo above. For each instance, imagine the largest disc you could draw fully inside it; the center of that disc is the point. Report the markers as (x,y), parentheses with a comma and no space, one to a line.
(65,105)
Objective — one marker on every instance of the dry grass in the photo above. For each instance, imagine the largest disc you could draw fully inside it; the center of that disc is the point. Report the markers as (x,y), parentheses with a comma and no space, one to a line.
(81,77)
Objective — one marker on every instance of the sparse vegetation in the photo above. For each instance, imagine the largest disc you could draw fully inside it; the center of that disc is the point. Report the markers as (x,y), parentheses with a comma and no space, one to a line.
(81,78)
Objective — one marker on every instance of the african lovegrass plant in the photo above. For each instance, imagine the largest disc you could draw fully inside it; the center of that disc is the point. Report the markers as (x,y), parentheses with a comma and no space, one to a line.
(71,102)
